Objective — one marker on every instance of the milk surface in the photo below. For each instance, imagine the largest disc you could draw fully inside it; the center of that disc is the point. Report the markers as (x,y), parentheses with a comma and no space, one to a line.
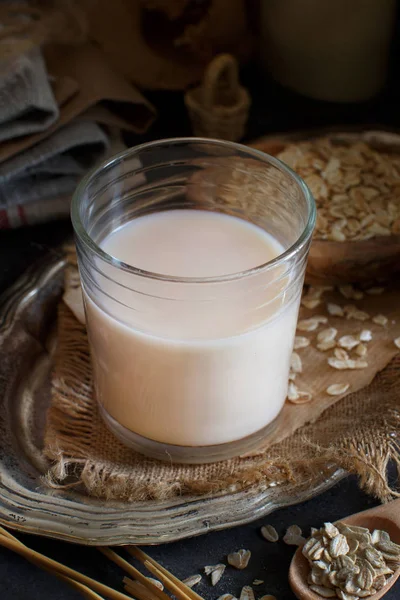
(194,368)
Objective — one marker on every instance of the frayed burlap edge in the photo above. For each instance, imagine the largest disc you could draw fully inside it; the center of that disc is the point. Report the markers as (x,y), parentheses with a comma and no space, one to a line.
(358,434)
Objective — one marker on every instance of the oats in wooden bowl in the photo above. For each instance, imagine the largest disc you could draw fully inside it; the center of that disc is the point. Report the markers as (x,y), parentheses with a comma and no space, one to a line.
(355,180)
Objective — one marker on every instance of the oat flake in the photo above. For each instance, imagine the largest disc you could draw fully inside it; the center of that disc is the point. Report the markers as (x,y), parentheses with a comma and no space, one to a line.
(355,188)
(247,593)
(341,354)
(327,335)
(336,389)
(269,533)
(348,342)
(295,363)
(365,335)
(300,342)
(239,559)
(380,320)
(192,580)
(334,309)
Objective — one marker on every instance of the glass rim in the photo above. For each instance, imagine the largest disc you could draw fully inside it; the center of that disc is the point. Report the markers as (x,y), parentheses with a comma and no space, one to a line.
(263,157)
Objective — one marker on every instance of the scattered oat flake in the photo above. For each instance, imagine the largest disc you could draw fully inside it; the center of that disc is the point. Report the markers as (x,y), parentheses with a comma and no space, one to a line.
(312,323)
(269,533)
(307,324)
(397,342)
(321,289)
(324,346)
(239,559)
(336,363)
(227,597)
(314,292)
(365,578)
(247,593)
(192,580)
(347,291)
(336,389)
(293,536)
(295,363)
(156,583)
(334,309)
(348,342)
(338,546)
(216,572)
(375,291)
(365,335)
(258,582)
(379,535)
(300,342)
(357,315)
(349,560)
(330,530)
(380,320)
(310,302)
(327,335)
(361,350)
(341,354)
(320,318)
(268,597)
(298,396)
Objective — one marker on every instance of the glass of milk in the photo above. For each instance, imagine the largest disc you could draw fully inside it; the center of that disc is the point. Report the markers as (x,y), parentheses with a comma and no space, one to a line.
(192,255)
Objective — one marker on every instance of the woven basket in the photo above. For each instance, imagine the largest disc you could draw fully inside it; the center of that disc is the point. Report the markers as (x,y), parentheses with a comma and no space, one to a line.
(219,107)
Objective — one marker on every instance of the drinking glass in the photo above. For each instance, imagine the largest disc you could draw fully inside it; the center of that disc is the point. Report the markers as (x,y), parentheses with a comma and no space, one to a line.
(201,396)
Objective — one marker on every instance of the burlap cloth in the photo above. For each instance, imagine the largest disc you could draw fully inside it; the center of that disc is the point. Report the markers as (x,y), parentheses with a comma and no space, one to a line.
(359,432)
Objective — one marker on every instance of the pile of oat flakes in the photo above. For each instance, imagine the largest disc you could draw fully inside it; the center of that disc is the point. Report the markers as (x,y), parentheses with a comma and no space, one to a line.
(349,562)
(356,188)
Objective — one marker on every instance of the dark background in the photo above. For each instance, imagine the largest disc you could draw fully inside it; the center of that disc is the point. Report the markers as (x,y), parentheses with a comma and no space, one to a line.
(274,109)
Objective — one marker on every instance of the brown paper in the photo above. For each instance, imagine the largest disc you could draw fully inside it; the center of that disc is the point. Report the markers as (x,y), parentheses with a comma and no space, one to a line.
(354,431)
(83,79)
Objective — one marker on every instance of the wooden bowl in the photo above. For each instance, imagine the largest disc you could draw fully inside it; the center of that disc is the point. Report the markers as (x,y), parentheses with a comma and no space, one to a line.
(365,261)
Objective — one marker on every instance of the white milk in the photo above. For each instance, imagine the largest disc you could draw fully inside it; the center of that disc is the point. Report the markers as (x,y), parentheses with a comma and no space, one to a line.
(191,371)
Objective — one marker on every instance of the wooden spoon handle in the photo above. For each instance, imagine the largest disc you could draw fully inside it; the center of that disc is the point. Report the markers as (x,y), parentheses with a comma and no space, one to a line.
(389,511)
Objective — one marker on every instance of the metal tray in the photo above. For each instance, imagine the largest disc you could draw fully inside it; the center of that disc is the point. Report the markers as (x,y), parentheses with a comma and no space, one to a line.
(27,342)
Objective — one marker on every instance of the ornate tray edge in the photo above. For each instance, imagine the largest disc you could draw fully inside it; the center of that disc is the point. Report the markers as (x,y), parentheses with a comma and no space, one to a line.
(61,518)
